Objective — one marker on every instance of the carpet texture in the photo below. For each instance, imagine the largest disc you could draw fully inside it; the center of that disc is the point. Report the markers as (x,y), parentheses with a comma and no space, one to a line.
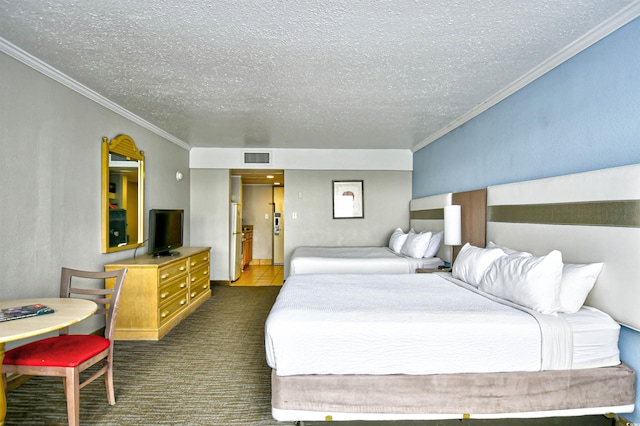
(209,370)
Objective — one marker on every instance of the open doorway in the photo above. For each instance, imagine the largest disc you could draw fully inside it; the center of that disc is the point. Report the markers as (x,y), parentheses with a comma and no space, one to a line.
(262,197)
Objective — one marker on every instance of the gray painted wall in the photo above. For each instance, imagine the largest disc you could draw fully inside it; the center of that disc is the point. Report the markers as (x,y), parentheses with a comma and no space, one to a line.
(210,209)
(386,206)
(51,157)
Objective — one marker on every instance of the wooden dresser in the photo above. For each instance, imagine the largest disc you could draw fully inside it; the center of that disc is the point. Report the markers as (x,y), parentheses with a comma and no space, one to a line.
(159,292)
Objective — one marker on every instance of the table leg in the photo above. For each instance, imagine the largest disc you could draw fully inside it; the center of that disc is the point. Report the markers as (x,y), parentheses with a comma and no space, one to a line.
(3,396)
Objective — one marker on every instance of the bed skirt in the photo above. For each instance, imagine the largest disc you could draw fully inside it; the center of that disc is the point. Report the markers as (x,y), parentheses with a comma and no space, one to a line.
(440,396)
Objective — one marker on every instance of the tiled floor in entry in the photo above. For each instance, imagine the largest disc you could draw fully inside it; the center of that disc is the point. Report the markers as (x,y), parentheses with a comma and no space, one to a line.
(261,275)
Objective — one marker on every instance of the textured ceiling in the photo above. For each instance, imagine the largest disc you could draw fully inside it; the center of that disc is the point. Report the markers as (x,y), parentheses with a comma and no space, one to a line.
(299,73)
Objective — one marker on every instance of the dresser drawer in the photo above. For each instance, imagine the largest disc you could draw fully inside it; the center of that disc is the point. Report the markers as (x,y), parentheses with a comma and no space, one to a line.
(171,272)
(199,274)
(198,260)
(197,288)
(172,307)
(170,290)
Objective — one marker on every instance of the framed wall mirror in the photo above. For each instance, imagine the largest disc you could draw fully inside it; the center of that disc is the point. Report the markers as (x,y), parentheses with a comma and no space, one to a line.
(122,194)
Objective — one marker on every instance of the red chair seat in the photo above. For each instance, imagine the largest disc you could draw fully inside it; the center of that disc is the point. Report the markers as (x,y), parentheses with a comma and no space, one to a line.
(59,351)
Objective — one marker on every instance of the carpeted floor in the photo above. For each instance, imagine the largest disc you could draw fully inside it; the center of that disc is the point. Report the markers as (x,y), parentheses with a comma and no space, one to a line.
(210,370)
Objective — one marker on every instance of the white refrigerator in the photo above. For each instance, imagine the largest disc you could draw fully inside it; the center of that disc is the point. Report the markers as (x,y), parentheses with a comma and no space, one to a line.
(235,247)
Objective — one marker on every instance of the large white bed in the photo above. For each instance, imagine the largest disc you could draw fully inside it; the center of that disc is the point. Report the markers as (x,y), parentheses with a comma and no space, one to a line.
(424,324)
(427,346)
(351,260)
(407,327)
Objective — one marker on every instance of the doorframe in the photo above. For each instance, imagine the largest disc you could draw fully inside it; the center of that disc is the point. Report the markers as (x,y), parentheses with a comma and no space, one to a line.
(273,215)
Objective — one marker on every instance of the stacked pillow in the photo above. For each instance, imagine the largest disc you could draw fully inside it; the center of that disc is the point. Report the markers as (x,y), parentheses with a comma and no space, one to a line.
(434,244)
(509,251)
(533,282)
(398,237)
(417,245)
(541,283)
(577,282)
(472,263)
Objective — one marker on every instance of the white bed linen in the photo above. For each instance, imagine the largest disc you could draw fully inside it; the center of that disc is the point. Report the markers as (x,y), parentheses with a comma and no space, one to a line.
(595,338)
(354,324)
(355,260)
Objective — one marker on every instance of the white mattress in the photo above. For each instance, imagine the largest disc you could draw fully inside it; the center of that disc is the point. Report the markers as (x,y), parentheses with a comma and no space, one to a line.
(355,260)
(595,338)
(417,324)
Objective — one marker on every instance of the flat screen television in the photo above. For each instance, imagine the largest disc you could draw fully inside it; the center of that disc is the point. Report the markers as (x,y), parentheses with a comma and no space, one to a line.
(165,231)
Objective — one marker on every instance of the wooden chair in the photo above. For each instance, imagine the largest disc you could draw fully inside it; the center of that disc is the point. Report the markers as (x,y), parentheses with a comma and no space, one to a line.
(68,355)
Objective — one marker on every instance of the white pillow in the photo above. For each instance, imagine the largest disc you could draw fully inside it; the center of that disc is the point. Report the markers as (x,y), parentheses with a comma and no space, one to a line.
(434,244)
(577,282)
(509,251)
(472,262)
(416,244)
(397,240)
(533,282)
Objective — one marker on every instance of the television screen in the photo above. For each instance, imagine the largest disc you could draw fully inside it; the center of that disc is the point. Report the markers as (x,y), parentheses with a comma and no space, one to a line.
(165,231)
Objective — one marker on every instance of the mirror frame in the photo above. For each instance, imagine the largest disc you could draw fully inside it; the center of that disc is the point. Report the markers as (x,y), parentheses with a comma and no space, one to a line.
(125,146)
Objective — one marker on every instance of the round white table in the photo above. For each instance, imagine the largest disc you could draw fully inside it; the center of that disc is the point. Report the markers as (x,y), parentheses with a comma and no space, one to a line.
(67,311)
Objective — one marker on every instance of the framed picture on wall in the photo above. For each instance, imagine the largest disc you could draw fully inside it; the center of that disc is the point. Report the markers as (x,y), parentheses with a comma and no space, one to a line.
(348,199)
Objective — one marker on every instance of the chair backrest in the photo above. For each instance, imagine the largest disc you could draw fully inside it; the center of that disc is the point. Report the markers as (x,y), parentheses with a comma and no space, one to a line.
(107,299)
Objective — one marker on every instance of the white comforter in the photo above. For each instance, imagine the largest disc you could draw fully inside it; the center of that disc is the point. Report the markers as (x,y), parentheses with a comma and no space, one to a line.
(355,260)
(404,324)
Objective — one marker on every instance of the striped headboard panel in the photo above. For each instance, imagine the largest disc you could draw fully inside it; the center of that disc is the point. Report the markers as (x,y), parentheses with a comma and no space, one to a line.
(590,217)
(427,214)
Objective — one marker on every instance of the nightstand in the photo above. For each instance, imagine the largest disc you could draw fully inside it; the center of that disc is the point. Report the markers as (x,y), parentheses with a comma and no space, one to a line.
(431,270)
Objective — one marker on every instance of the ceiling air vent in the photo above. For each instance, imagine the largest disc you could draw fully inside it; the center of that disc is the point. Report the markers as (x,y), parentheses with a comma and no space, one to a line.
(257,158)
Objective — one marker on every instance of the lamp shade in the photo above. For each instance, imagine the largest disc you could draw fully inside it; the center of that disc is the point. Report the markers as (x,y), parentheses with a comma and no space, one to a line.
(452,225)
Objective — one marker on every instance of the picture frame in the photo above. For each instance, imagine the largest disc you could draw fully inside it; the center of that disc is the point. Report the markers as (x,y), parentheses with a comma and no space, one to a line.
(348,199)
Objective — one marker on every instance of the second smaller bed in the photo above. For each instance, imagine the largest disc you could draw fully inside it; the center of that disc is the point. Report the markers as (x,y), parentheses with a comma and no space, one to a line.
(356,260)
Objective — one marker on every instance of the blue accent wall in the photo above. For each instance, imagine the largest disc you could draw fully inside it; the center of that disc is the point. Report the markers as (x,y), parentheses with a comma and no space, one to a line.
(583,115)
(630,355)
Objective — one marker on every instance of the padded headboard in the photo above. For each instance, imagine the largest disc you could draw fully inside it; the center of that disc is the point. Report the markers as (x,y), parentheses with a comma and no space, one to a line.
(590,217)
(473,211)
(427,214)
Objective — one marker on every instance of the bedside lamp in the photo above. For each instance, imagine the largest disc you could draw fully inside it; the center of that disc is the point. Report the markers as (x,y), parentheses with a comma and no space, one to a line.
(452,227)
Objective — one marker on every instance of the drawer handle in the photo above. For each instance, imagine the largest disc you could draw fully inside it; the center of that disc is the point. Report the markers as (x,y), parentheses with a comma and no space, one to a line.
(182,268)
(165,314)
(183,285)
(193,279)
(204,286)
(205,273)
(183,301)
(205,259)
(194,263)
(164,295)
(164,276)
(194,294)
